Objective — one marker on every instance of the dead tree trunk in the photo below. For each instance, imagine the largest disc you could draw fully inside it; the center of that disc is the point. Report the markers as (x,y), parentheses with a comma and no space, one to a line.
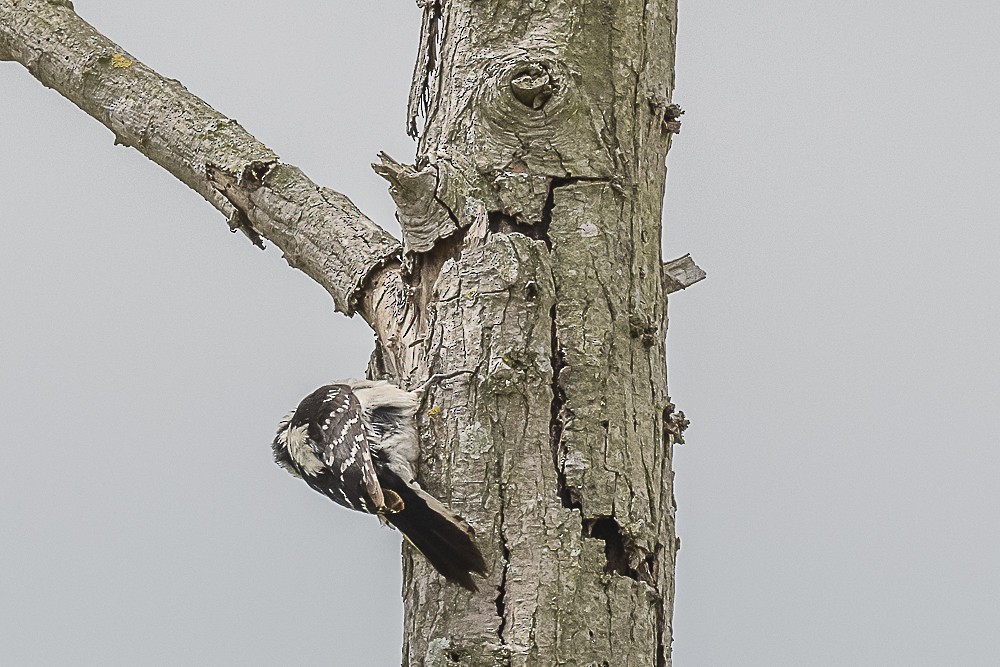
(532,228)
(531,258)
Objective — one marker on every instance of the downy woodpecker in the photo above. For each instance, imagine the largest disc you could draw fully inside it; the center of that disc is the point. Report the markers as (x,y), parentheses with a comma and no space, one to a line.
(356,442)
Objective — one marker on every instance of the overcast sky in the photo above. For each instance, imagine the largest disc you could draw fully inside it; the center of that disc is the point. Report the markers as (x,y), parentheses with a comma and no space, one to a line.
(837,176)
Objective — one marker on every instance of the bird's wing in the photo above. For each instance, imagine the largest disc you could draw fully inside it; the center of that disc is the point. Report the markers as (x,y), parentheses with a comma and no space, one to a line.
(339,435)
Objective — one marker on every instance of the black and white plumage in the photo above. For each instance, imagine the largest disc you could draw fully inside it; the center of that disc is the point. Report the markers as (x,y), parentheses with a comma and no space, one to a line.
(355,441)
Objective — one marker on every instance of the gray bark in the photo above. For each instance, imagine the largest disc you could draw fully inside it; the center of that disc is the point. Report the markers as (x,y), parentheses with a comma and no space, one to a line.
(320,231)
(531,223)
(530,257)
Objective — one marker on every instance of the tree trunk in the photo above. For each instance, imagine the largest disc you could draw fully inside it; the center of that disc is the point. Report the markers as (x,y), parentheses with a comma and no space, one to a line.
(532,228)
(530,277)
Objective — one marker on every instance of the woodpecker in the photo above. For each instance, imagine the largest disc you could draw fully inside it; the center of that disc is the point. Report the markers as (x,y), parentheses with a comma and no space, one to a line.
(355,441)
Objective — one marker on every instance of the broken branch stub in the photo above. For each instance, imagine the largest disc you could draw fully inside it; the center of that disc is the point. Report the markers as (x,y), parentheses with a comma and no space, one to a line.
(680,274)
(423,217)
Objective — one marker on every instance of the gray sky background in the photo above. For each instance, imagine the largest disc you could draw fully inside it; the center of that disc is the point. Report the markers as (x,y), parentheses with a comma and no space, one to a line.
(837,176)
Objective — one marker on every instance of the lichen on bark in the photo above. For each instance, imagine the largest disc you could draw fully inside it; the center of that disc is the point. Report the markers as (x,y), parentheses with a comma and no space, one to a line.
(557,118)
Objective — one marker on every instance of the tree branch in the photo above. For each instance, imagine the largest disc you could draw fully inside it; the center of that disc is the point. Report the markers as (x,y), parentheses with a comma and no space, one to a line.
(320,231)
(681,273)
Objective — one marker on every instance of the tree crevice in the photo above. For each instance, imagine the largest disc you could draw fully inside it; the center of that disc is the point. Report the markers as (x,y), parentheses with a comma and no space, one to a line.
(623,556)
(238,190)
(500,222)
(501,598)
(568,496)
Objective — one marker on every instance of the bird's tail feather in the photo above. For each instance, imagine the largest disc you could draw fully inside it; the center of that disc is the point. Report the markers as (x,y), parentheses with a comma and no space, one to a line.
(443,537)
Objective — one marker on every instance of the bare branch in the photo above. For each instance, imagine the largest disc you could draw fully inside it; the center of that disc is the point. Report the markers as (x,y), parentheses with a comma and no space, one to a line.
(320,231)
(681,273)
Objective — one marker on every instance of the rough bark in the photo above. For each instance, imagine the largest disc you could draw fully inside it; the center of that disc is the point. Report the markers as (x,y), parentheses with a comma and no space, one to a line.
(531,259)
(531,223)
(320,231)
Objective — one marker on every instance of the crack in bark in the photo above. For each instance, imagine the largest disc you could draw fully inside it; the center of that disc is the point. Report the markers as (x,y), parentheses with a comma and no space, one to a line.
(550,203)
(501,602)
(623,557)
(500,222)
(661,649)
(238,188)
(503,222)
(569,497)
